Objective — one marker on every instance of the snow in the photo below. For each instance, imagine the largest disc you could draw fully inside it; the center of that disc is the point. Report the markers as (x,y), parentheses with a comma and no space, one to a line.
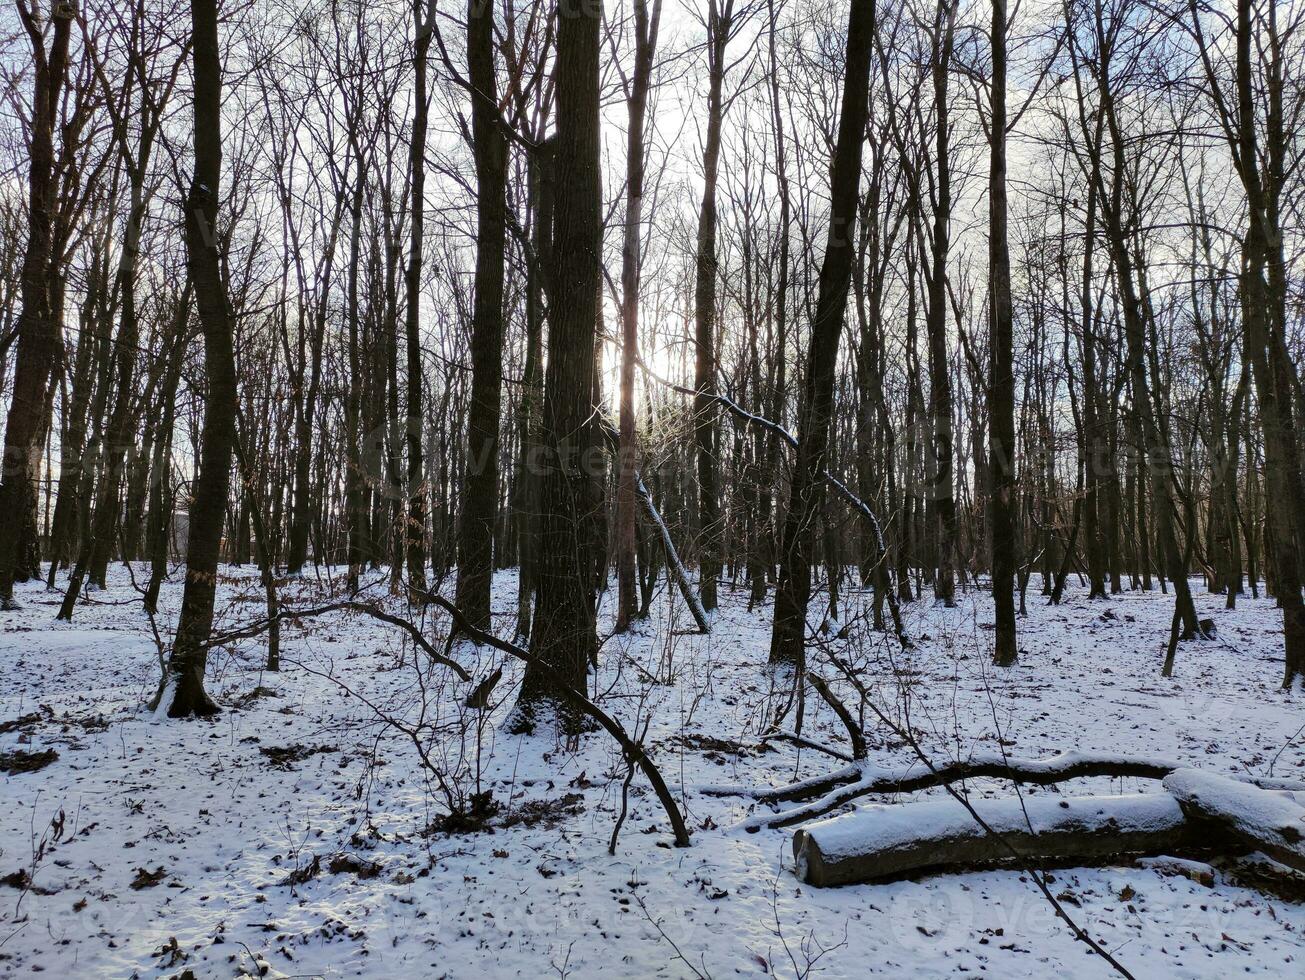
(1165,863)
(229,824)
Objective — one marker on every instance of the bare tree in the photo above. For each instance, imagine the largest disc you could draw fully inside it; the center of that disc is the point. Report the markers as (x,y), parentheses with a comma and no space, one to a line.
(636,86)
(181,691)
(480,484)
(563,638)
(806,494)
(37,329)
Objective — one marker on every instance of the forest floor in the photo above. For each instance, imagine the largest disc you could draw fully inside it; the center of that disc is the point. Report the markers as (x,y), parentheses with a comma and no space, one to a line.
(299,833)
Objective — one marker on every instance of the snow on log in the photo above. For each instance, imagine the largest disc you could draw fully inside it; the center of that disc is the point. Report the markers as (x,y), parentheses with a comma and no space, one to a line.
(1271,822)
(883,842)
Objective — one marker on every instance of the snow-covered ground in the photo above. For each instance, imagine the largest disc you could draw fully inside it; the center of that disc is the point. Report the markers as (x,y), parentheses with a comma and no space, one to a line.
(298,833)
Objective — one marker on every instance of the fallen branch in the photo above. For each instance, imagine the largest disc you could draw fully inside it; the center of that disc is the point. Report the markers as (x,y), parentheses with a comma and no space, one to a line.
(854,733)
(861,779)
(673,562)
(1039,880)
(803,742)
(790,440)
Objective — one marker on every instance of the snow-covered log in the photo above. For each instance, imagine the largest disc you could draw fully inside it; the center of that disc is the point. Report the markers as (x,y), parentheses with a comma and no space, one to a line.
(884,842)
(1269,821)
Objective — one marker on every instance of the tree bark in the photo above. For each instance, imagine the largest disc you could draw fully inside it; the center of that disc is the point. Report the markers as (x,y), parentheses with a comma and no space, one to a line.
(415,523)
(645,29)
(563,637)
(181,693)
(1001,383)
(1263,302)
(806,493)
(480,482)
(38,331)
(870,846)
(942,501)
(706,434)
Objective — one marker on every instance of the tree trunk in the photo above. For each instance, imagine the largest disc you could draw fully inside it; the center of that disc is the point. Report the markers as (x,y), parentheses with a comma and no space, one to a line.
(706,435)
(564,637)
(38,331)
(1263,301)
(415,523)
(806,494)
(1001,390)
(181,693)
(480,484)
(628,461)
(526,488)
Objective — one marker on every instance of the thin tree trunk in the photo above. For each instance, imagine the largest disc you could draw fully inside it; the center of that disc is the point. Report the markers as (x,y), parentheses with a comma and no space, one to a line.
(1263,300)
(1001,390)
(942,502)
(645,30)
(415,523)
(526,502)
(706,430)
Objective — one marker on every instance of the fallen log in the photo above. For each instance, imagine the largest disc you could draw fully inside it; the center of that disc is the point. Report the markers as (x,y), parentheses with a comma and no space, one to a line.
(1270,822)
(878,843)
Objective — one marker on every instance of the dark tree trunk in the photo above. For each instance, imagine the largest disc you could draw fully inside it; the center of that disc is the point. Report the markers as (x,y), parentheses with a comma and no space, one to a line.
(627,462)
(181,693)
(1263,302)
(95,561)
(354,485)
(706,429)
(787,645)
(777,374)
(564,637)
(92,355)
(38,331)
(1096,452)
(480,483)
(526,501)
(1155,453)
(305,408)
(159,518)
(415,523)
(1001,343)
(942,501)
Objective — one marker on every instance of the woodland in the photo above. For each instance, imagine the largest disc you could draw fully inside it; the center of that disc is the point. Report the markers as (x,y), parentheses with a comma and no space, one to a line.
(685,487)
